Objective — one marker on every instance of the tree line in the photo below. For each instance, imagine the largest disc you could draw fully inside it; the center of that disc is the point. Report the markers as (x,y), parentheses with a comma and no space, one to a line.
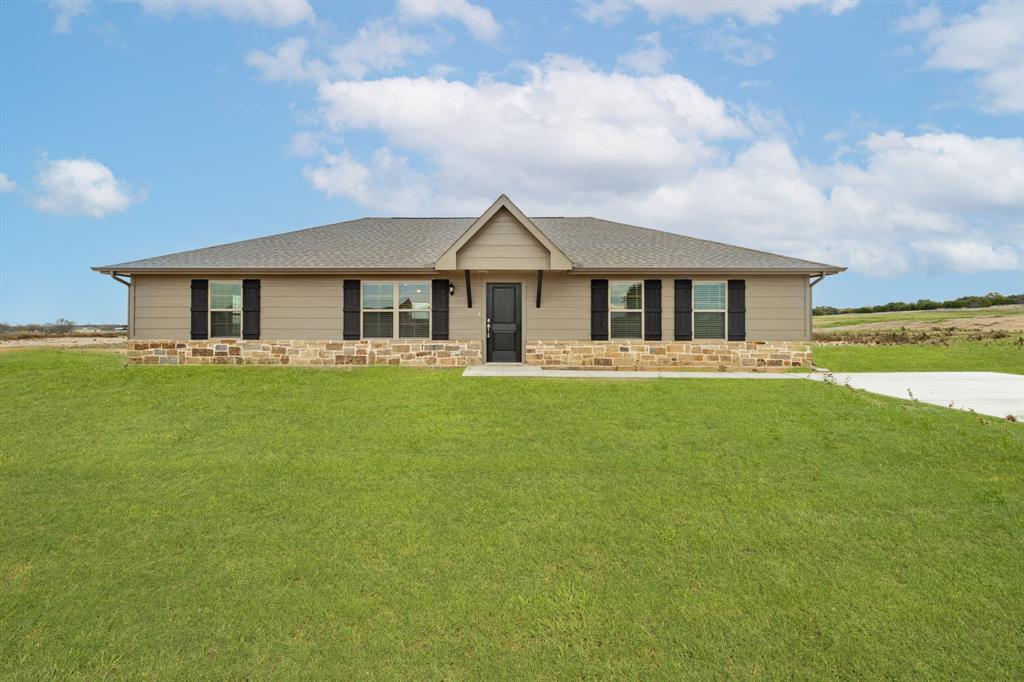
(985,301)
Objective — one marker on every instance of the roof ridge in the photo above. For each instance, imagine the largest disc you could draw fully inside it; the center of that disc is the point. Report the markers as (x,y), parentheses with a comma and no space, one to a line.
(461,217)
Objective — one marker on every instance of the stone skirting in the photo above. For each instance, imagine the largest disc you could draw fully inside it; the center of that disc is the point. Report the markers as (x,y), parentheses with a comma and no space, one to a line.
(657,355)
(423,353)
(720,355)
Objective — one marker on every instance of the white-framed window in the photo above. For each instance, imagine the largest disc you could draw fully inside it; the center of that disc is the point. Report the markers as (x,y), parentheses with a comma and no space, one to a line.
(709,308)
(395,310)
(225,310)
(626,310)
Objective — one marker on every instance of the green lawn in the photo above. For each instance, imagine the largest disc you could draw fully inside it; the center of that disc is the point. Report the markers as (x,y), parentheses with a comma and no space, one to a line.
(282,523)
(996,355)
(824,322)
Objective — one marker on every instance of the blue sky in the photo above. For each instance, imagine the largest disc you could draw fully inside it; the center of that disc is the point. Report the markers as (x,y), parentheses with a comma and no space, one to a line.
(882,136)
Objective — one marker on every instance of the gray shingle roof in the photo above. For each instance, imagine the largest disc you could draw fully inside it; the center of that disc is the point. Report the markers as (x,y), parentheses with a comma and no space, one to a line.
(401,243)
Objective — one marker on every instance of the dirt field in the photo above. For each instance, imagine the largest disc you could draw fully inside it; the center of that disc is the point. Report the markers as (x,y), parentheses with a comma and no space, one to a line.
(113,342)
(1006,319)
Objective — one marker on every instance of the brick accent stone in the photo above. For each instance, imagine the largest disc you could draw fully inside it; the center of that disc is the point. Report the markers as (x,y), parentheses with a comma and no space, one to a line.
(756,356)
(654,355)
(423,353)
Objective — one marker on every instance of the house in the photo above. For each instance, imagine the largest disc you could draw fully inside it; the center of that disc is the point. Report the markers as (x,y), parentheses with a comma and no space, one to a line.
(503,287)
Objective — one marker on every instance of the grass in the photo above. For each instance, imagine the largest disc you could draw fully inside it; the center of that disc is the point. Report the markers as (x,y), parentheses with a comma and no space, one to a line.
(220,522)
(823,322)
(959,355)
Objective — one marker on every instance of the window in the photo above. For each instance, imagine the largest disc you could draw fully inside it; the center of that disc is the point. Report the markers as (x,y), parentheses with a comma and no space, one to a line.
(414,310)
(626,310)
(709,310)
(225,310)
(378,310)
(396,310)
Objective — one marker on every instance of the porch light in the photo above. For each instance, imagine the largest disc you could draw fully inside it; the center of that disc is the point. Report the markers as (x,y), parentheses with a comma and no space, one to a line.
(451,289)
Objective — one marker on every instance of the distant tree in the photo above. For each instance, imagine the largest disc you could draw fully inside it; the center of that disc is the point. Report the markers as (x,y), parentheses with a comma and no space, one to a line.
(62,326)
(989,299)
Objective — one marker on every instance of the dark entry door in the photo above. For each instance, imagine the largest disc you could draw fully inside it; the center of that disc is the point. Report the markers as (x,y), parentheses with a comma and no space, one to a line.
(504,323)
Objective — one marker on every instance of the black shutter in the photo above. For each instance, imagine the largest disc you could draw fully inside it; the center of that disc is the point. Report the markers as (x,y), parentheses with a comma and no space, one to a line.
(350,310)
(439,310)
(737,310)
(200,307)
(250,309)
(652,309)
(684,310)
(599,309)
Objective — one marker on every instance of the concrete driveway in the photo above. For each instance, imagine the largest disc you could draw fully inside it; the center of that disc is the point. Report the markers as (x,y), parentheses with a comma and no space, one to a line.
(991,393)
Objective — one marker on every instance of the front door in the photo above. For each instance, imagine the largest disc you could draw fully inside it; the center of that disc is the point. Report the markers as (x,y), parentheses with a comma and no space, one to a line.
(504,323)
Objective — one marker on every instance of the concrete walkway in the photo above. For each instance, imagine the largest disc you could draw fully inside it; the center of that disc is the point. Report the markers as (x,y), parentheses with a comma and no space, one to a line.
(496,370)
(991,393)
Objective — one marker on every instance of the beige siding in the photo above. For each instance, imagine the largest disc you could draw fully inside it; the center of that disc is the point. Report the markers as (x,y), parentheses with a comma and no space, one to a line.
(131,310)
(777,307)
(300,307)
(306,307)
(503,244)
(564,311)
(161,306)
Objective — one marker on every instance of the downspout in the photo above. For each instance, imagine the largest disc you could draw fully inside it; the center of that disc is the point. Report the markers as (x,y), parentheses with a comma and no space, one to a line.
(128,319)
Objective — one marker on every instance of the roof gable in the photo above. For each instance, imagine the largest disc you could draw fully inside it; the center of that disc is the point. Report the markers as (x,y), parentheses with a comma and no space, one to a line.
(557,258)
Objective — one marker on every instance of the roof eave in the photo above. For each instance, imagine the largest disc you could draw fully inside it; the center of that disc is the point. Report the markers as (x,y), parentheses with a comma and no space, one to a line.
(796,270)
(198,270)
(129,270)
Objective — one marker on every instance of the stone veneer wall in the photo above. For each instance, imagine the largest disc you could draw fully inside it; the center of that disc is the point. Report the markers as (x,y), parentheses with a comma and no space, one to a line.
(655,355)
(730,355)
(417,353)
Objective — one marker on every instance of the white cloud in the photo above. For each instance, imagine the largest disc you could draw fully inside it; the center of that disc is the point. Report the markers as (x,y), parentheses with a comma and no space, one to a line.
(752,12)
(566,123)
(989,43)
(968,256)
(604,11)
(925,19)
(82,187)
(278,13)
(286,63)
(6,184)
(306,143)
(66,11)
(657,150)
(650,57)
(742,51)
(478,20)
(378,46)
(441,70)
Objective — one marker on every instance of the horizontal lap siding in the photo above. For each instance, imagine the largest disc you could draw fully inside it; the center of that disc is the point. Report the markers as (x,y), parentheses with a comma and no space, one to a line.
(300,307)
(503,244)
(564,311)
(303,307)
(777,308)
(465,323)
(162,306)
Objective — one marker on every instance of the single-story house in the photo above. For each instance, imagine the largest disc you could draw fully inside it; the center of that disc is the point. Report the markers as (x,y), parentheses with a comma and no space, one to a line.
(502,287)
